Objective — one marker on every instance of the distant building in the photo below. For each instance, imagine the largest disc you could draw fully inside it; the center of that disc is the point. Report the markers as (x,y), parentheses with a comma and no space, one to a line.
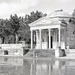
(53,31)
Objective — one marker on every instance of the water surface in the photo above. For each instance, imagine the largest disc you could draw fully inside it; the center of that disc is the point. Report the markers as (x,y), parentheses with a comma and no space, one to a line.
(19,66)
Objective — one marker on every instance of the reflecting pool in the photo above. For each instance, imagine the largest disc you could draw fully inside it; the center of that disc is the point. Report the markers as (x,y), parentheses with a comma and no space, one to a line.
(19,66)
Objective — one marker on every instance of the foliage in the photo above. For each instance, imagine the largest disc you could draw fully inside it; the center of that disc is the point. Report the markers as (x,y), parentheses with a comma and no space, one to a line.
(18,25)
(14,22)
(33,16)
(72,19)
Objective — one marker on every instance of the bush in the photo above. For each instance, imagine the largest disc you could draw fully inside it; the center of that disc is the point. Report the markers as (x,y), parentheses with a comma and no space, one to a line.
(62,52)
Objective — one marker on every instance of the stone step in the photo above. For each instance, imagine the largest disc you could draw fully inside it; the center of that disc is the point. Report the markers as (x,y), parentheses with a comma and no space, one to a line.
(41,53)
(72,50)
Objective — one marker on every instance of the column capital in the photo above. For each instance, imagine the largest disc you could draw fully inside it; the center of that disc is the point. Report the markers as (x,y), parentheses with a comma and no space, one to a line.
(59,28)
(31,30)
(40,29)
(37,31)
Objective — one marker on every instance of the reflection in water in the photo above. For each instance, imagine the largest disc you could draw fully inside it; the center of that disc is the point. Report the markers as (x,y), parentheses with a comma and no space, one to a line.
(19,66)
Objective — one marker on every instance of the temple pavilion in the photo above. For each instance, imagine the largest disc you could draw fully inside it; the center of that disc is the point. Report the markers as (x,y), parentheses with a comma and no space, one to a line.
(53,31)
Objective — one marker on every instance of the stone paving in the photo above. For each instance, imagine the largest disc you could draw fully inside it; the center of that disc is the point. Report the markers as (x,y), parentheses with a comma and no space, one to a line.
(69,56)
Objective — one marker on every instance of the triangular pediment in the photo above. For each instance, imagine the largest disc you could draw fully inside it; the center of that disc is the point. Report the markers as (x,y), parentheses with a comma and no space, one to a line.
(40,21)
(46,21)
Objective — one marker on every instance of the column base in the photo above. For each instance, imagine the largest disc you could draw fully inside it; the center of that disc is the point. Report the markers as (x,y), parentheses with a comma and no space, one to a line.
(60,52)
(57,53)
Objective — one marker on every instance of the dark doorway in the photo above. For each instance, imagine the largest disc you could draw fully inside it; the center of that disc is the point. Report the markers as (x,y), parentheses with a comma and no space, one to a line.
(51,41)
(6,52)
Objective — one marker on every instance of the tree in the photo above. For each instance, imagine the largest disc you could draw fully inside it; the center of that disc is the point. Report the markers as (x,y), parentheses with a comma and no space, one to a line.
(18,27)
(72,19)
(14,22)
(4,29)
(24,30)
(31,18)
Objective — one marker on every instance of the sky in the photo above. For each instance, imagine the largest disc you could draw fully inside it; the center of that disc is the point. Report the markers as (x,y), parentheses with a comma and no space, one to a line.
(23,7)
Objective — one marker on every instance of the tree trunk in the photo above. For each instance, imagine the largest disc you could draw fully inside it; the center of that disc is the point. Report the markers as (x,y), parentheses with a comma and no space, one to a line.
(1,39)
(6,40)
(16,38)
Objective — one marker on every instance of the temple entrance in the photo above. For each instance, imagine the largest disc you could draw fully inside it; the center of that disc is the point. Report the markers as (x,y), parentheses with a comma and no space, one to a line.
(51,41)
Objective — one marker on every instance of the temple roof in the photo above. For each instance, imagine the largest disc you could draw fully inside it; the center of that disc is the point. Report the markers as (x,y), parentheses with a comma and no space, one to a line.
(55,18)
(59,13)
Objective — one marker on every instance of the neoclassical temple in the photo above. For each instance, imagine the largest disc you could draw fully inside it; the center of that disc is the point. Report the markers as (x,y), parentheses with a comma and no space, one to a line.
(53,31)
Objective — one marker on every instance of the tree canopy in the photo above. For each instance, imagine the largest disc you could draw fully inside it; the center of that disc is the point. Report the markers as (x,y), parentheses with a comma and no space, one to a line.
(18,25)
(72,19)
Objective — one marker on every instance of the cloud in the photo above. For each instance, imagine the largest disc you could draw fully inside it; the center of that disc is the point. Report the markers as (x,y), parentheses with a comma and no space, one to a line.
(8,7)
(64,0)
(29,3)
(22,7)
(9,1)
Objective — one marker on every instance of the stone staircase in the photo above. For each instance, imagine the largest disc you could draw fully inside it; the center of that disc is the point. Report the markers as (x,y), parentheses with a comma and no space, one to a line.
(41,53)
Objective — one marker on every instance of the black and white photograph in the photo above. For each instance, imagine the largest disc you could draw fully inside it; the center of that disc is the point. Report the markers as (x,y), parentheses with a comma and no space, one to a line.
(37,37)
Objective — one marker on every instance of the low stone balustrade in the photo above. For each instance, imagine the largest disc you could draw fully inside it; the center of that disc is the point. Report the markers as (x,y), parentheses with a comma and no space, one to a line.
(11,49)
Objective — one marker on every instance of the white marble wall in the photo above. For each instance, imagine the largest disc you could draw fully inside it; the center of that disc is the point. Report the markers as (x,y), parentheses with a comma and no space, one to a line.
(13,49)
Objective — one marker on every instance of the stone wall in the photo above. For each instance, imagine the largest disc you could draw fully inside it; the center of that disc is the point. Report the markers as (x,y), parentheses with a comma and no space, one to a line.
(71,36)
(11,49)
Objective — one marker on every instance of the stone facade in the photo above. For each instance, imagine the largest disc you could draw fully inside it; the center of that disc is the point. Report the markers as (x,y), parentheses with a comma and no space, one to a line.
(54,30)
(71,35)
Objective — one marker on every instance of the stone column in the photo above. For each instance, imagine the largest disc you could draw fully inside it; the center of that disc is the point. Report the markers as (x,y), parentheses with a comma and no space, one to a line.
(40,39)
(37,37)
(31,39)
(59,37)
(49,38)
(57,51)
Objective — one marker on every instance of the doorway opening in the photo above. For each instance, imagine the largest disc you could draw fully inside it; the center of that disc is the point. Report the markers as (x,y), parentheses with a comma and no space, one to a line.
(51,41)
(5,52)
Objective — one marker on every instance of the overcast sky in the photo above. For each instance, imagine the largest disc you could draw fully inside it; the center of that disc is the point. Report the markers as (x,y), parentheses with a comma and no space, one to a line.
(22,7)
